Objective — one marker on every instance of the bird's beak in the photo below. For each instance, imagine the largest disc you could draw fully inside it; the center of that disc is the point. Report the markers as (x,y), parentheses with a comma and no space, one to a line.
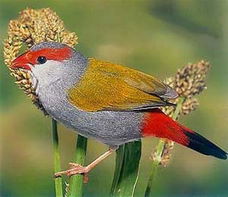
(21,62)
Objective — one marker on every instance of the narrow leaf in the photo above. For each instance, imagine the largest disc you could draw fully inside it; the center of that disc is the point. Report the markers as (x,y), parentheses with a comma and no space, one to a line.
(126,170)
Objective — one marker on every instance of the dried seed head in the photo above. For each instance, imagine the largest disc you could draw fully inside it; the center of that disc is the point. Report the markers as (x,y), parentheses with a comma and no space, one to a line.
(32,27)
(166,155)
(190,80)
(189,105)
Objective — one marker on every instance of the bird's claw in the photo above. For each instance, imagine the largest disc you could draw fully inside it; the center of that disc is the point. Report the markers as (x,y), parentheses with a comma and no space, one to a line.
(74,169)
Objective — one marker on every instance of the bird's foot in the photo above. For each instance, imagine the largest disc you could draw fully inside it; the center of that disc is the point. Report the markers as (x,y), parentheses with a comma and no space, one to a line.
(73,170)
(78,169)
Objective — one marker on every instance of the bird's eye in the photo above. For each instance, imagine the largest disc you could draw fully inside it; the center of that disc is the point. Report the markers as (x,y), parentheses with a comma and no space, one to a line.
(41,59)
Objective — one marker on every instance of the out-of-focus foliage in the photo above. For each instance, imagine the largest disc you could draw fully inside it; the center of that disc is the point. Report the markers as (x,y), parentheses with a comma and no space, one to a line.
(157,37)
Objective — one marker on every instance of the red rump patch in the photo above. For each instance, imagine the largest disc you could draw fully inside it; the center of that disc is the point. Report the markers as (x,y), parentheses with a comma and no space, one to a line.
(157,124)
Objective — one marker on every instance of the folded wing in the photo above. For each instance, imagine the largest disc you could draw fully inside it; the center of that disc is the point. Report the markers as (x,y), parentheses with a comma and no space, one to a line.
(111,87)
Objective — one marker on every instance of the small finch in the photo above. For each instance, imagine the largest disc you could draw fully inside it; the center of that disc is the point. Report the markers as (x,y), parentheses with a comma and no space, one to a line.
(108,102)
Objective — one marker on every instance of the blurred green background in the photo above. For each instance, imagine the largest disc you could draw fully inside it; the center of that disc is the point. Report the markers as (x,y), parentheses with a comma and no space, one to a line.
(157,37)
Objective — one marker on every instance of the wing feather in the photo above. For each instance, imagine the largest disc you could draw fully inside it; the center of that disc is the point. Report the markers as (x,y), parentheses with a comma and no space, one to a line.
(107,86)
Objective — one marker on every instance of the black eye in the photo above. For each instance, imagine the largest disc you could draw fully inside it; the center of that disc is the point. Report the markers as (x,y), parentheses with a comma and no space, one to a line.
(41,59)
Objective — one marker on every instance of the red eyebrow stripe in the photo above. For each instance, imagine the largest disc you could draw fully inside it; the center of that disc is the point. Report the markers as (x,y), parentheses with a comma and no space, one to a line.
(58,54)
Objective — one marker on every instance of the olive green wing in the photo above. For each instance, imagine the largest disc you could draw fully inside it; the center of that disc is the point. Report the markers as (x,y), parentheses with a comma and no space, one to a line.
(107,86)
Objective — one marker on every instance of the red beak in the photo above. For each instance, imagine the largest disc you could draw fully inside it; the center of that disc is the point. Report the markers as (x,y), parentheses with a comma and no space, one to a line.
(21,62)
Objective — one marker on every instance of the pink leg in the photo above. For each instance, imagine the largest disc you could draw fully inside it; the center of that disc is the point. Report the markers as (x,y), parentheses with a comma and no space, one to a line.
(78,169)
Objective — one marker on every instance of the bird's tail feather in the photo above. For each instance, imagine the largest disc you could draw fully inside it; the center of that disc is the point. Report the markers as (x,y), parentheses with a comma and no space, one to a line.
(160,125)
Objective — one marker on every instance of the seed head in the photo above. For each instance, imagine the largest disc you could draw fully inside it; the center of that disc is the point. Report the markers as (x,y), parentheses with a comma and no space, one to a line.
(188,82)
(191,80)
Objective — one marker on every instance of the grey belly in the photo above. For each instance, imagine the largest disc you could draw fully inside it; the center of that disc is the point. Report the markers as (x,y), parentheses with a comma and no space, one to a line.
(109,127)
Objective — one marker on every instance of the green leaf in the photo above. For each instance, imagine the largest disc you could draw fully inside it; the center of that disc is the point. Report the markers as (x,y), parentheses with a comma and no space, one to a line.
(126,170)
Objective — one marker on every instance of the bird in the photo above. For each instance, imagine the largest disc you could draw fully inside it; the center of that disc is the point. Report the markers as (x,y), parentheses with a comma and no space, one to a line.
(108,102)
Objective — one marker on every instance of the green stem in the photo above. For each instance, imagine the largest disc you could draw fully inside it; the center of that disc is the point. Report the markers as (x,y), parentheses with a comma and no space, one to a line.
(159,151)
(57,164)
(75,188)
(178,108)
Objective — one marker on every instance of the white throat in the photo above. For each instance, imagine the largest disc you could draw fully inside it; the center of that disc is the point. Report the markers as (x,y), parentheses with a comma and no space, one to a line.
(46,74)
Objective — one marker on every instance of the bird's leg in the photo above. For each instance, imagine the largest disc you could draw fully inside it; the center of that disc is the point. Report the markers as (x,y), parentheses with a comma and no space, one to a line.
(78,169)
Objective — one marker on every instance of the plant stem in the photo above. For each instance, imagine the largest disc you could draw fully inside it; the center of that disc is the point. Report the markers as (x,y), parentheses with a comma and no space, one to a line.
(57,164)
(159,151)
(126,170)
(75,188)
(155,164)
(178,108)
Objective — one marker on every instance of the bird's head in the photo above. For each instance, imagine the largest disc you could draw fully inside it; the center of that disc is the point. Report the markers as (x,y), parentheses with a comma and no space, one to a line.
(50,61)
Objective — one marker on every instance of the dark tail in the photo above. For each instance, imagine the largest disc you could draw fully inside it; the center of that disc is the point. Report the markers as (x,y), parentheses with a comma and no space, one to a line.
(204,146)
(158,124)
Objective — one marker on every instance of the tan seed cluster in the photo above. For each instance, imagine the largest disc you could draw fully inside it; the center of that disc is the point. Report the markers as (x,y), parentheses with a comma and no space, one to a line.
(32,27)
(190,80)
(166,155)
(189,105)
